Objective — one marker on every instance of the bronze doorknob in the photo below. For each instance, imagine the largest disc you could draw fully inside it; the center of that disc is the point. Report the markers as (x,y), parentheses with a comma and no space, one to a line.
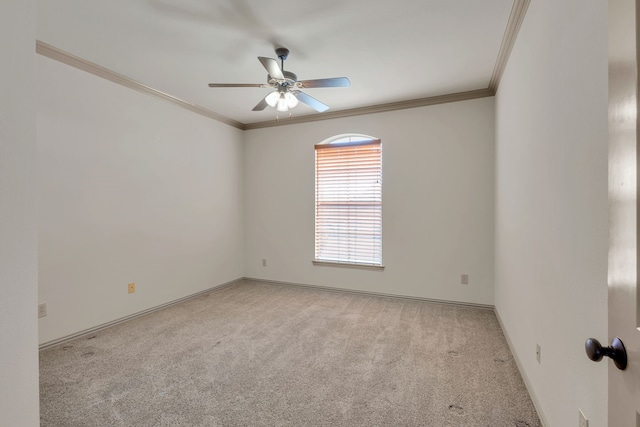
(616,351)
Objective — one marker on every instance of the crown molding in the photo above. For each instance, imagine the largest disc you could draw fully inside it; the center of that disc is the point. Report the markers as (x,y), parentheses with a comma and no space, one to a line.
(516,17)
(518,12)
(56,54)
(380,108)
(59,55)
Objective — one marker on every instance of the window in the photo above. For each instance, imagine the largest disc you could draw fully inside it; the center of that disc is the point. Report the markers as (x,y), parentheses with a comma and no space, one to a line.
(349,201)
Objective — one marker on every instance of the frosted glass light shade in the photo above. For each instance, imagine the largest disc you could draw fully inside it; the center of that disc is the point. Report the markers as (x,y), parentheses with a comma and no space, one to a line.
(291,100)
(282,103)
(272,98)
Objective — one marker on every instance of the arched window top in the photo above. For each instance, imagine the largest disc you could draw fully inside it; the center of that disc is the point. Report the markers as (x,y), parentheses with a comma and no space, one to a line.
(349,201)
(349,138)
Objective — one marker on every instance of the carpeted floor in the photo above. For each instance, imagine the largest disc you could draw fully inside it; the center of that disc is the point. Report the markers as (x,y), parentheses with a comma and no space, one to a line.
(256,354)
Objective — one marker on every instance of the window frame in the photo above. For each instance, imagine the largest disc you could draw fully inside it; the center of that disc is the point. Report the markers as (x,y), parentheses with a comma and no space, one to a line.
(370,221)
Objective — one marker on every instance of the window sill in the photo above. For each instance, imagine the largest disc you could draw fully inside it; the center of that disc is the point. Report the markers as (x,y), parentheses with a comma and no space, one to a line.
(347,265)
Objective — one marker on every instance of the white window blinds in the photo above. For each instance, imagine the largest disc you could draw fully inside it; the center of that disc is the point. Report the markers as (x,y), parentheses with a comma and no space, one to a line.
(349,202)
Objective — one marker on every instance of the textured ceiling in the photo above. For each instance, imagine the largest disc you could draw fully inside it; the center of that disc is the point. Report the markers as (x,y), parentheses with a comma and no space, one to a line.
(391,51)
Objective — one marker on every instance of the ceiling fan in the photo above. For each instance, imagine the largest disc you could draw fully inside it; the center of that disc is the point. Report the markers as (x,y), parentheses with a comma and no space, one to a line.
(287,86)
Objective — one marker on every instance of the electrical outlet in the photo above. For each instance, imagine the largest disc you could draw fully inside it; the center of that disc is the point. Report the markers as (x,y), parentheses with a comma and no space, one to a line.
(538,352)
(582,419)
(42,309)
(132,287)
(264,262)
(464,279)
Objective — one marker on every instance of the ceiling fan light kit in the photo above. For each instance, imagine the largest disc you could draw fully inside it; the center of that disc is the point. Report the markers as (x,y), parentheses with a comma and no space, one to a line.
(287,93)
(282,101)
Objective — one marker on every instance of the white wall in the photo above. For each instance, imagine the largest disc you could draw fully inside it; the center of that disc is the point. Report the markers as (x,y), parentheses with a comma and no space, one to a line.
(438,201)
(551,204)
(132,189)
(18,217)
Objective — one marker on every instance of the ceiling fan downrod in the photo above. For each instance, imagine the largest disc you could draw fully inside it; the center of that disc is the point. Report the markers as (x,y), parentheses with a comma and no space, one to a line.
(282,53)
(287,87)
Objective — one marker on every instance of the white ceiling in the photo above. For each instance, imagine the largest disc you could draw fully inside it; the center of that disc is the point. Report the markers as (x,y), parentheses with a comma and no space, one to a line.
(390,50)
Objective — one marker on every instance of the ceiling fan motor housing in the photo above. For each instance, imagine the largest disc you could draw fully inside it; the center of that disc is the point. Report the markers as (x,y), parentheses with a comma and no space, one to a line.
(290,79)
(287,91)
(282,53)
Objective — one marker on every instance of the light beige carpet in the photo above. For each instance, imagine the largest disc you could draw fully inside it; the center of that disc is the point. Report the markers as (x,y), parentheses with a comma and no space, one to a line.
(256,354)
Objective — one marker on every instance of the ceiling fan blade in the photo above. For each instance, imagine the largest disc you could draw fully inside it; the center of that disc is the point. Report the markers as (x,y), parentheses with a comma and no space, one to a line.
(333,82)
(272,67)
(261,105)
(311,101)
(238,85)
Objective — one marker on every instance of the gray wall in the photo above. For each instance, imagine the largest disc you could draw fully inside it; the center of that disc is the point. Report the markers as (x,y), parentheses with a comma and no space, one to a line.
(132,189)
(18,217)
(551,204)
(438,200)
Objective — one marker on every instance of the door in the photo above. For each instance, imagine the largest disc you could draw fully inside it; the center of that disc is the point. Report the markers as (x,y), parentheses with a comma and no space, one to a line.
(624,300)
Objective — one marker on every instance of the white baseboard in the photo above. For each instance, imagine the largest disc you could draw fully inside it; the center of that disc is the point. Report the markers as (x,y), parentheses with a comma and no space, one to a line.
(377,294)
(102,326)
(97,328)
(527,383)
